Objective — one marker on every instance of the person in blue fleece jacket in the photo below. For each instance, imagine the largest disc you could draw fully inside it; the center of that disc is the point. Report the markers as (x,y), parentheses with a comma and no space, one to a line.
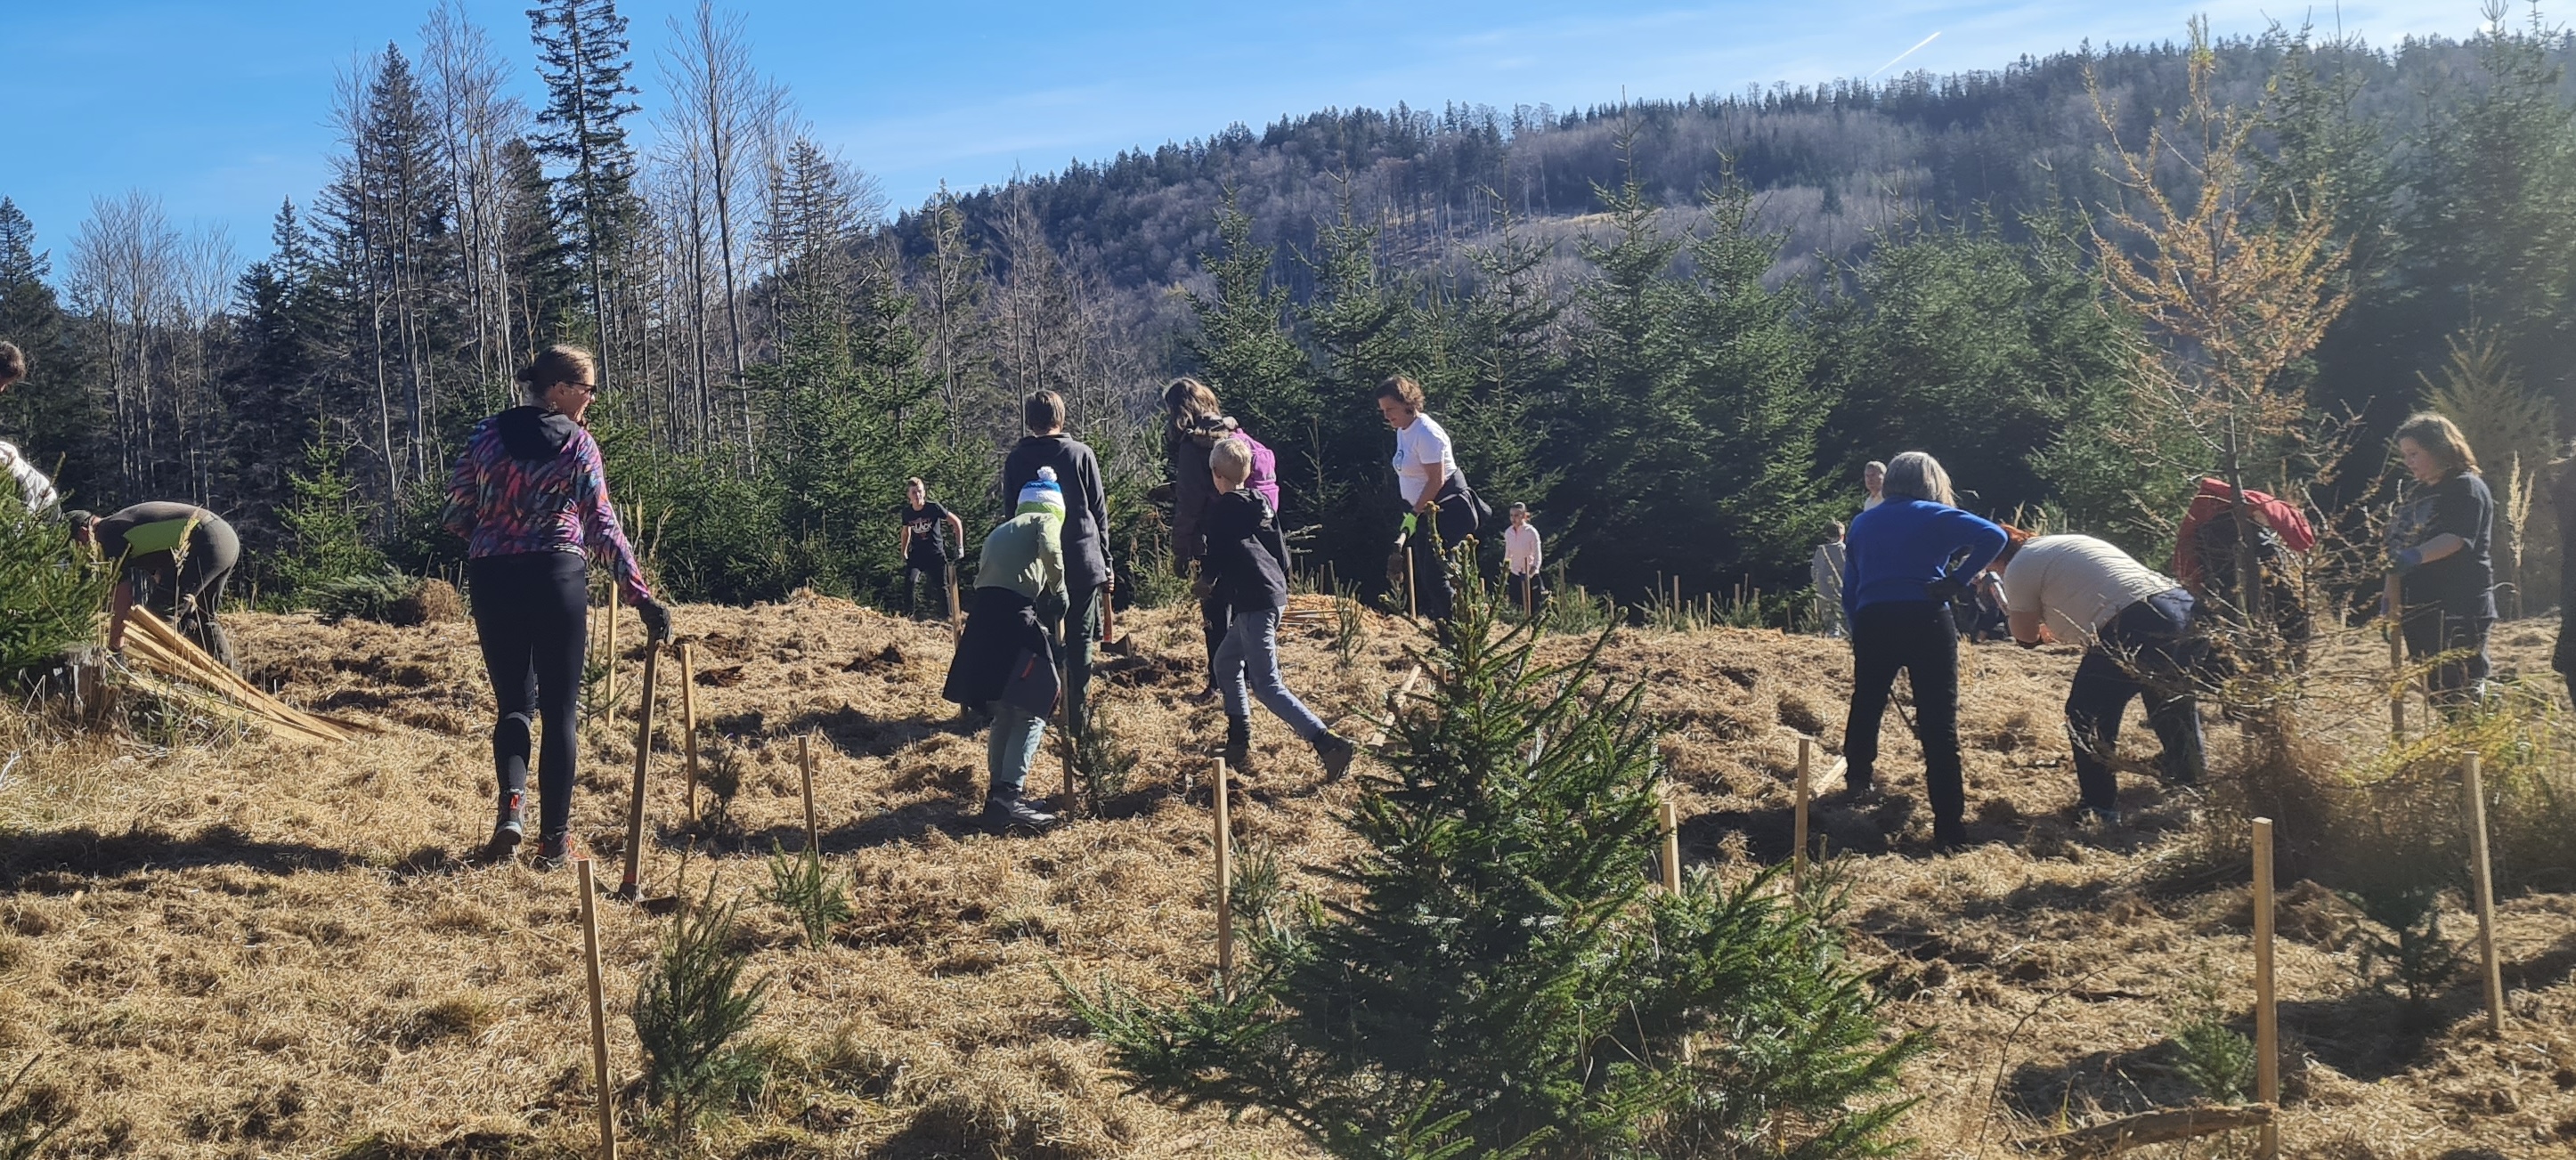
(1903,562)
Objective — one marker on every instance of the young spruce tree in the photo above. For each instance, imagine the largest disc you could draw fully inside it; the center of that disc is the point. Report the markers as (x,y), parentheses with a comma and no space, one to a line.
(1504,982)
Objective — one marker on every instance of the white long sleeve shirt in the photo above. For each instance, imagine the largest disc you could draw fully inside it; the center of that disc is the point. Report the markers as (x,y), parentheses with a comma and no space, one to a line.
(1521,553)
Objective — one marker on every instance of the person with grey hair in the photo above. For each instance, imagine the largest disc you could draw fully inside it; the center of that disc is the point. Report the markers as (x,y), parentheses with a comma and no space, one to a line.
(1873,479)
(1903,562)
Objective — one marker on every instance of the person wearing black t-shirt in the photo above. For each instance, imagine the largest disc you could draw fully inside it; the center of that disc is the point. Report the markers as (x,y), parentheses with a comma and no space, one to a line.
(931,538)
(2438,545)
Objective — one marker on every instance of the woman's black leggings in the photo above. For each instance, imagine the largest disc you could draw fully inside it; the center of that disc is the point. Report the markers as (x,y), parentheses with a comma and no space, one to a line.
(532,611)
(1915,636)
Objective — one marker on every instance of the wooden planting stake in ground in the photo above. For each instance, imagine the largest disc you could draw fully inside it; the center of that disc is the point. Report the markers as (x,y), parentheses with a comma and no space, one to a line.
(598,1016)
(628,888)
(2267,1023)
(1798,826)
(1412,602)
(2483,875)
(1224,887)
(1669,822)
(805,765)
(608,699)
(2396,659)
(689,721)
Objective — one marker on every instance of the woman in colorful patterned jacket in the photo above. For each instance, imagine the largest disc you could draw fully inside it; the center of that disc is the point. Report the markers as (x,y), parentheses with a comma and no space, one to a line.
(530,497)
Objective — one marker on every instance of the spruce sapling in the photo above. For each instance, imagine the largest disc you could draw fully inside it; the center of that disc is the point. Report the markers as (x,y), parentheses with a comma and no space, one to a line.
(1501,981)
(688,1010)
(799,884)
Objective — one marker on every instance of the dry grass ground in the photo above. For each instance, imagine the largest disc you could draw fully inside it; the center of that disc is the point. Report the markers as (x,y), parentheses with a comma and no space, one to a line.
(260,948)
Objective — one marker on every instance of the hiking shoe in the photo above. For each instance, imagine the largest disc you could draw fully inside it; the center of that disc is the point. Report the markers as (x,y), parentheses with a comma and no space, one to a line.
(2103,817)
(1204,696)
(1949,838)
(1336,752)
(508,831)
(1003,814)
(1238,741)
(555,851)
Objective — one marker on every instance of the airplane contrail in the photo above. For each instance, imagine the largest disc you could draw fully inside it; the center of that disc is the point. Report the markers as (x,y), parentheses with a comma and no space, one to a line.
(1918,47)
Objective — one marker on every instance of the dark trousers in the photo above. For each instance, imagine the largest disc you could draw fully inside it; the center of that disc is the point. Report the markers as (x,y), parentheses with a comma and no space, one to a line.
(532,612)
(1525,592)
(1215,620)
(1915,636)
(2432,630)
(1431,593)
(2145,651)
(935,573)
(1075,624)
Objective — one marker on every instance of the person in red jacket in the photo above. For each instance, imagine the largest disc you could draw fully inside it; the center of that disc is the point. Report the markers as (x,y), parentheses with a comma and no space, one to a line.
(530,498)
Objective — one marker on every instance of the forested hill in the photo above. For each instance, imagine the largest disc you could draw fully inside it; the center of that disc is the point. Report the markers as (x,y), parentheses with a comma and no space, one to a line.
(1835,162)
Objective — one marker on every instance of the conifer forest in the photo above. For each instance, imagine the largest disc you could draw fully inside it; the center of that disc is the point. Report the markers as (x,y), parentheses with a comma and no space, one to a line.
(1676,327)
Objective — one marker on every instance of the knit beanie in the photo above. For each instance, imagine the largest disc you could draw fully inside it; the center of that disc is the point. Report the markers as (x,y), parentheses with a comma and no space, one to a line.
(1042,494)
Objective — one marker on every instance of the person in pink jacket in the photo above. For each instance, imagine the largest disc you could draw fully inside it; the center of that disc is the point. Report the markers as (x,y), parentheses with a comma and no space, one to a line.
(530,498)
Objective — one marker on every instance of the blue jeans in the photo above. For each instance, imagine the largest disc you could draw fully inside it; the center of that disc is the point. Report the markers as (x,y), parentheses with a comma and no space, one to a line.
(1012,747)
(1251,653)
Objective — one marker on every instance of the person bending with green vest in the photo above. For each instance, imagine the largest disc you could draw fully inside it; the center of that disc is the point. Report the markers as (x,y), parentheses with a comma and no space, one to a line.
(1005,660)
(163,548)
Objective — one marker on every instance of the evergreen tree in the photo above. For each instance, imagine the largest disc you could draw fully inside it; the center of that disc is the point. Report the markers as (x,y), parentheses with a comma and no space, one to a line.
(285,331)
(1500,980)
(544,288)
(582,56)
(55,417)
(326,524)
(1243,348)
(1366,325)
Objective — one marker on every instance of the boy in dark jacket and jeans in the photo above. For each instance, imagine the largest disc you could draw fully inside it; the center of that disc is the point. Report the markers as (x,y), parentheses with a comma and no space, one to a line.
(1246,569)
(1086,527)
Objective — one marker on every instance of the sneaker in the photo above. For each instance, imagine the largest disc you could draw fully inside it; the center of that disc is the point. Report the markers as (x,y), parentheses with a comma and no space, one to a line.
(555,851)
(1204,696)
(1003,814)
(507,832)
(1336,752)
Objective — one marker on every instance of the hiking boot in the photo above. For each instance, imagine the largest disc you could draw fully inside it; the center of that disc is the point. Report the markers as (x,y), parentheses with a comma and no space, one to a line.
(1949,837)
(1207,695)
(1003,814)
(555,851)
(508,831)
(2102,817)
(1336,752)
(1238,741)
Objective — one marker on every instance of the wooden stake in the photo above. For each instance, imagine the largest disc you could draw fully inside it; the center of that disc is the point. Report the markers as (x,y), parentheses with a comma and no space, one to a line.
(627,888)
(598,1016)
(805,765)
(2396,658)
(1412,601)
(2267,1023)
(1395,703)
(1224,886)
(1798,826)
(689,721)
(608,700)
(1669,821)
(956,611)
(2484,876)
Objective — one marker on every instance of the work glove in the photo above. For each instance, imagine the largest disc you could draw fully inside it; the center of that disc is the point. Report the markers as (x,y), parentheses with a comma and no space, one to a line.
(2406,560)
(657,619)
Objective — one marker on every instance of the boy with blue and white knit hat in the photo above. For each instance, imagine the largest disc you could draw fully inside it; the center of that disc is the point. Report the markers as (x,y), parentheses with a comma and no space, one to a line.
(1005,663)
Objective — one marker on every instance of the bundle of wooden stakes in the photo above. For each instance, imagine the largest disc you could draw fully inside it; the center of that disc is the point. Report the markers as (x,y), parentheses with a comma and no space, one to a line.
(167,664)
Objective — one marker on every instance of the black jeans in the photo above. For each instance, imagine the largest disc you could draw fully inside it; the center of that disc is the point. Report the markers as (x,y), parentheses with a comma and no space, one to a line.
(532,612)
(936,572)
(1916,636)
(2145,651)
(1431,593)
(2431,630)
(1525,592)
(1215,620)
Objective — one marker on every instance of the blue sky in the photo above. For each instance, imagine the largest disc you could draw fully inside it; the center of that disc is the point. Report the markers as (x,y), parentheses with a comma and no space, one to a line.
(220,108)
